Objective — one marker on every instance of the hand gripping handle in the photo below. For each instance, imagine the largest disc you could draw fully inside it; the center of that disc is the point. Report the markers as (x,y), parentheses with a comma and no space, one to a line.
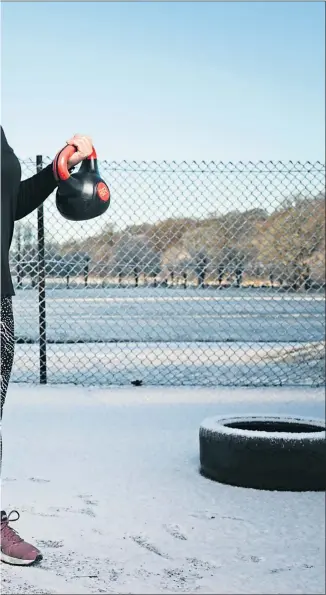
(60,162)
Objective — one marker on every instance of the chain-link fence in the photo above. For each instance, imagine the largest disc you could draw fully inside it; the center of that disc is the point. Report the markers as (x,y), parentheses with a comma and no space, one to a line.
(198,274)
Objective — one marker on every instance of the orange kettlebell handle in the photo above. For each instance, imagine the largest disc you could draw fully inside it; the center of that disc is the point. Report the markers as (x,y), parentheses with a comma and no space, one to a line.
(60,162)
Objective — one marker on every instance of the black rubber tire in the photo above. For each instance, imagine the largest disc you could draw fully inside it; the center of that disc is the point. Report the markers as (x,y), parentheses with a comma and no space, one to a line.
(276,453)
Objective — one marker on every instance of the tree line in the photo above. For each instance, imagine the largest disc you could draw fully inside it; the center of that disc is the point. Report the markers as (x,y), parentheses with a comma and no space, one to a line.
(284,248)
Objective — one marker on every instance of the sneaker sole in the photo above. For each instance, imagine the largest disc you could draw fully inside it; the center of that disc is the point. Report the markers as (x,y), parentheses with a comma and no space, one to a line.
(17,562)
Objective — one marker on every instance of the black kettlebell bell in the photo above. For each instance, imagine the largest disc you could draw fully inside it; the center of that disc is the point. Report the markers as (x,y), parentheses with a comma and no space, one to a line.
(82,195)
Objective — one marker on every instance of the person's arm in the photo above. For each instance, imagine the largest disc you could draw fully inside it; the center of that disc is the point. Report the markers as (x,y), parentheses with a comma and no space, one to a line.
(34,191)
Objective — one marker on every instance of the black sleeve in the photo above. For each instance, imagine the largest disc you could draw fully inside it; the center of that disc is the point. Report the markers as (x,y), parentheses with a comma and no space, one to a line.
(34,191)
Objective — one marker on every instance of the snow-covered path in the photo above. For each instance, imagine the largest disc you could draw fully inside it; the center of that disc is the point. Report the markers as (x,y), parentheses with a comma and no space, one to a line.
(108,486)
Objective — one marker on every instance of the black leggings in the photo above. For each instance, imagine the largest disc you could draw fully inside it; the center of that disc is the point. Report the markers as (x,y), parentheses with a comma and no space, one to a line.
(7,345)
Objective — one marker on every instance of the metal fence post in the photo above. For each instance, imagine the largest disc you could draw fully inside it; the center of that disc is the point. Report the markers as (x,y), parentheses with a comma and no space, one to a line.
(41,283)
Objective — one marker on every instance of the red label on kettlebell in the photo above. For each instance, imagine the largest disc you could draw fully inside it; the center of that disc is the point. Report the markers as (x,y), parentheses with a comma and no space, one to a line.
(103,191)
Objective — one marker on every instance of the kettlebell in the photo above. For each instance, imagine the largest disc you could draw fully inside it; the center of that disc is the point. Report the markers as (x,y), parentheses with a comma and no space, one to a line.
(82,195)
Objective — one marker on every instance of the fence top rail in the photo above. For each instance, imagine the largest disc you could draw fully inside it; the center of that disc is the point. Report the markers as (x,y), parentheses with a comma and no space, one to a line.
(205,166)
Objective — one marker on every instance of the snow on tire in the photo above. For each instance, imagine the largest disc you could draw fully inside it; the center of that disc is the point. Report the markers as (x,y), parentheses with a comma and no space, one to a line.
(264,452)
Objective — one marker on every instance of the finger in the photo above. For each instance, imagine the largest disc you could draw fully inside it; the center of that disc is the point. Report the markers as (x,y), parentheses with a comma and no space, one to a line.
(85,147)
(71,142)
(81,153)
(83,143)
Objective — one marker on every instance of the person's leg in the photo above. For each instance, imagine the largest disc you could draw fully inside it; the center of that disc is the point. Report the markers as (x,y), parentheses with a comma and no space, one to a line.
(14,550)
(7,346)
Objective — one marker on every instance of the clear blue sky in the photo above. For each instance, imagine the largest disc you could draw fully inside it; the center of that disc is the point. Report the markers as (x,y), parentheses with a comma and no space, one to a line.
(221,81)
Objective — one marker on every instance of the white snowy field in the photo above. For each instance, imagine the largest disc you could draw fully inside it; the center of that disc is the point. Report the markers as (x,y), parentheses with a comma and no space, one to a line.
(173,337)
(173,315)
(192,364)
(107,484)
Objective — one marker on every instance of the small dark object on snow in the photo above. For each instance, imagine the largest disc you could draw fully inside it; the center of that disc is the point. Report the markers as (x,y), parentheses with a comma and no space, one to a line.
(267,453)
(137,382)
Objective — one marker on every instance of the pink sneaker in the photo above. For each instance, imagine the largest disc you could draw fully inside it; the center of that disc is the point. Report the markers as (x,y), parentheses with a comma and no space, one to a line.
(15,550)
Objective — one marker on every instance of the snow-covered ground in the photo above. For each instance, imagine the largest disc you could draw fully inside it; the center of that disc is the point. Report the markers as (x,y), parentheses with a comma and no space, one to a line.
(192,364)
(173,315)
(234,337)
(107,484)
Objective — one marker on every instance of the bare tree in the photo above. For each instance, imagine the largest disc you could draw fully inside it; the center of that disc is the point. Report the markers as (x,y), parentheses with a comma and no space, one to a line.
(176,261)
(292,240)
(134,255)
(231,260)
(198,245)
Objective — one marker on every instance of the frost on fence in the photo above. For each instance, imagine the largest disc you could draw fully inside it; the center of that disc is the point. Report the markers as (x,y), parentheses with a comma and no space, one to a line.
(199,273)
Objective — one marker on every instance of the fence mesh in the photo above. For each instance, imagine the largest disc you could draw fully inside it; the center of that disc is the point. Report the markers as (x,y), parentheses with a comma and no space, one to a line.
(198,273)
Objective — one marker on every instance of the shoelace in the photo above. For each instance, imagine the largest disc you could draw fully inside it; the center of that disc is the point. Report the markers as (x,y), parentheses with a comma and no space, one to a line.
(7,531)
